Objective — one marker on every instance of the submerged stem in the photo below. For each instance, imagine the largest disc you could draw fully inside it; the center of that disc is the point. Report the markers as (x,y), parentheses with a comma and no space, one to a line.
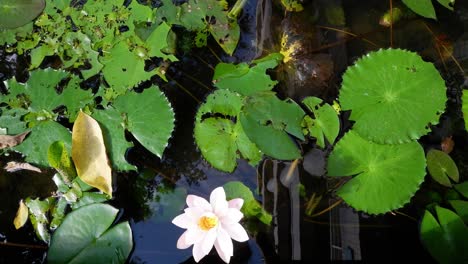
(328,209)
(9,244)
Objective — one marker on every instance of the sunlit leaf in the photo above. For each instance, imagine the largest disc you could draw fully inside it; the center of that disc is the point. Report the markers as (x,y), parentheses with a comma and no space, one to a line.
(268,121)
(385,176)
(442,167)
(38,214)
(149,117)
(324,124)
(60,160)
(15,13)
(421,7)
(246,79)
(393,96)
(86,235)
(89,198)
(21,215)
(89,154)
(251,207)
(58,213)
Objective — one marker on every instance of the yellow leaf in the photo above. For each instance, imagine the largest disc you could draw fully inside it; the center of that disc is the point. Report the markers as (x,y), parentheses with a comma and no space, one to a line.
(21,215)
(89,154)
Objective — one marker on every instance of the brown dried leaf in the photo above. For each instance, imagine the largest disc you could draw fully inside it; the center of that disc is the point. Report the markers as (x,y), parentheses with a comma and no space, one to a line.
(89,154)
(14,166)
(7,141)
(447,145)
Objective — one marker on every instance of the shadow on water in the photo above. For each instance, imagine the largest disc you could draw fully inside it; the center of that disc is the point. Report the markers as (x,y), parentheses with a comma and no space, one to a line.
(151,197)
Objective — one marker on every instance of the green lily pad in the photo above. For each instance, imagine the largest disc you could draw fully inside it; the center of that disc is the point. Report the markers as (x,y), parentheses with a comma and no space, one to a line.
(45,133)
(247,79)
(219,136)
(461,207)
(86,234)
(267,121)
(149,117)
(445,239)
(113,131)
(462,188)
(251,208)
(394,95)
(324,124)
(16,13)
(465,107)
(386,176)
(425,8)
(442,167)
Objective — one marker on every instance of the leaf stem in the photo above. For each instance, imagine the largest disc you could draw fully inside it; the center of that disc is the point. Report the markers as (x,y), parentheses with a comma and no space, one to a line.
(10,244)
(237,8)
(328,209)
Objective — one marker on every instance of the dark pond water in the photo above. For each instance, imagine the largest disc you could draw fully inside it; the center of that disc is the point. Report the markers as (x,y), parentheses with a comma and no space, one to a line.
(151,197)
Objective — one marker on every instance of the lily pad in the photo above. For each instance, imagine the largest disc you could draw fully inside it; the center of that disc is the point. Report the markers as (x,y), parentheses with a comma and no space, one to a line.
(78,241)
(425,8)
(16,13)
(385,176)
(149,117)
(465,107)
(247,79)
(461,207)
(324,124)
(219,135)
(462,188)
(267,121)
(393,96)
(251,207)
(441,167)
(445,239)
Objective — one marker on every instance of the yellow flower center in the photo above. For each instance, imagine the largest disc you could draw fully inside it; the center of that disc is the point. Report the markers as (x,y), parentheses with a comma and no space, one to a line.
(207,222)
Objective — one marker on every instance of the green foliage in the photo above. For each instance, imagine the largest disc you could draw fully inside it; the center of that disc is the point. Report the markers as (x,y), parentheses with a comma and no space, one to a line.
(16,13)
(324,124)
(203,17)
(461,208)
(247,79)
(441,167)
(394,95)
(219,135)
(462,188)
(387,176)
(465,107)
(38,211)
(149,117)
(60,160)
(445,236)
(267,121)
(97,241)
(292,5)
(251,207)
(425,8)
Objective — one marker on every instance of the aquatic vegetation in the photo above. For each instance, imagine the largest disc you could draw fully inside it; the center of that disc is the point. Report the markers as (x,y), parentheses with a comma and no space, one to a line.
(324,124)
(441,167)
(210,224)
(16,13)
(425,8)
(77,241)
(393,96)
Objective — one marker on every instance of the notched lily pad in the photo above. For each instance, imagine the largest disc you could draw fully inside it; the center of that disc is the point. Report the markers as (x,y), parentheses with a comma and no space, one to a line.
(324,124)
(385,176)
(442,167)
(393,96)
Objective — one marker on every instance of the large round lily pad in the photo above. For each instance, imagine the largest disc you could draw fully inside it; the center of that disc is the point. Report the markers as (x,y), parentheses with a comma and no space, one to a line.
(86,236)
(15,13)
(385,176)
(393,96)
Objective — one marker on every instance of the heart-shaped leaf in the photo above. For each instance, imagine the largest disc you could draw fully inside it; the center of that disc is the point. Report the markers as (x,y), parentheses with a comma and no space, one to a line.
(393,96)
(86,235)
(442,167)
(386,176)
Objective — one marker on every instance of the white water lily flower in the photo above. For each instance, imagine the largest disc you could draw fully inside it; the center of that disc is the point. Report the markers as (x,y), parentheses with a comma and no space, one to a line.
(213,223)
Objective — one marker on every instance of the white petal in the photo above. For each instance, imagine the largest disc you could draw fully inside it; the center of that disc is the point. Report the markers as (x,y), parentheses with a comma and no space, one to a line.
(182,242)
(197,201)
(236,203)
(194,213)
(223,245)
(232,216)
(197,251)
(218,201)
(208,241)
(193,236)
(182,221)
(236,232)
